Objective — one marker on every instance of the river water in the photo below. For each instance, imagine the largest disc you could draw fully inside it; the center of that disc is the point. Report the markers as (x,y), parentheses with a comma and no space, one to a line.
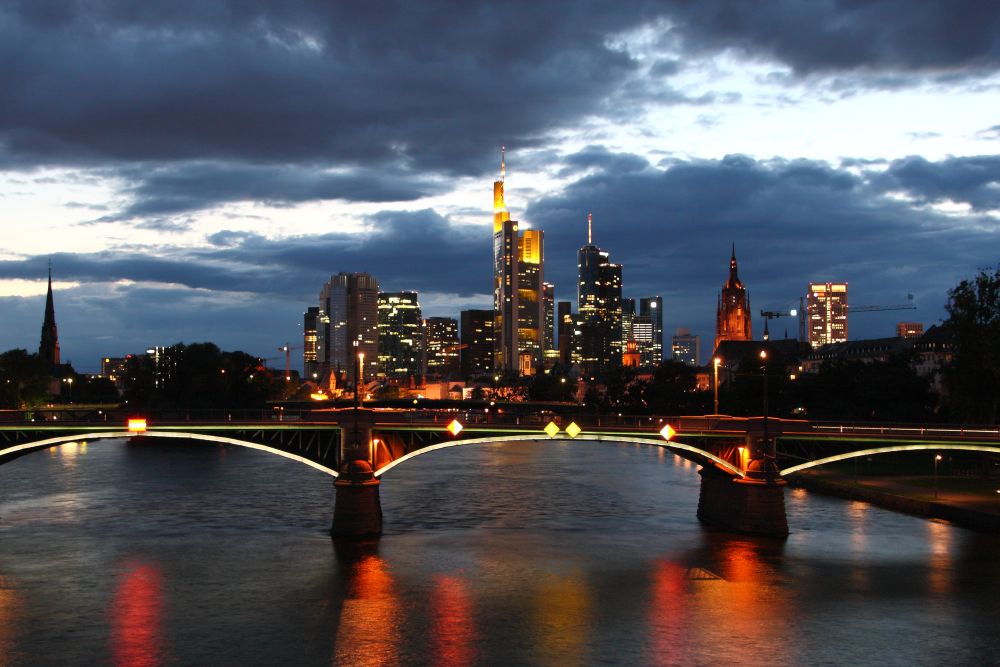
(514,554)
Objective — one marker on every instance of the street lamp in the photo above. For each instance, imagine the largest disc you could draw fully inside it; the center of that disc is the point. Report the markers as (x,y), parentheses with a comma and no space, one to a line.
(715,363)
(763,366)
(937,457)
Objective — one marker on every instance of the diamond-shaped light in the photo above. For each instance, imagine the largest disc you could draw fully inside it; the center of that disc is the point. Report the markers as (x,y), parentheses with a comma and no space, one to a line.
(551,429)
(573,429)
(136,425)
(668,432)
(455,427)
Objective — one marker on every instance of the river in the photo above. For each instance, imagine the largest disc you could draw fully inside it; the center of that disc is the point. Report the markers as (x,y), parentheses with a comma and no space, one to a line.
(515,554)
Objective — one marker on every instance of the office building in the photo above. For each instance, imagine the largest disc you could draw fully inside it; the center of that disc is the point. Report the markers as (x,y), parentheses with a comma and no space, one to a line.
(826,308)
(651,308)
(441,348)
(400,337)
(348,326)
(732,318)
(310,343)
(549,339)
(909,329)
(530,300)
(685,348)
(477,343)
(599,306)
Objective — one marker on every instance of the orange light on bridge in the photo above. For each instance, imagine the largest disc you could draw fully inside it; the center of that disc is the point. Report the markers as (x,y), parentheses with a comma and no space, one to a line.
(573,430)
(319,396)
(136,425)
(551,429)
(455,427)
(668,432)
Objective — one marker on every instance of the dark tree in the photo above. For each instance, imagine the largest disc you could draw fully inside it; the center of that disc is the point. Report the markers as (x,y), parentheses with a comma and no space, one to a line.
(673,390)
(973,377)
(24,379)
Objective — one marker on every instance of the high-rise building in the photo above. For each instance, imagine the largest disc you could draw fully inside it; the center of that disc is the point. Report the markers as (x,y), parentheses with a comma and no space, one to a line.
(477,343)
(48,346)
(564,323)
(549,308)
(310,337)
(400,336)
(909,329)
(348,325)
(826,305)
(441,336)
(530,300)
(628,316)
(732,319)
(651,307)
(685,348)
(599,306)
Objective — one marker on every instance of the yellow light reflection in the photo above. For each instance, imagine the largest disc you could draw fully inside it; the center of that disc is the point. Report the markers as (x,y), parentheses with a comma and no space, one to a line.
(941,575)
(368,632)
(562,621)
(10,603)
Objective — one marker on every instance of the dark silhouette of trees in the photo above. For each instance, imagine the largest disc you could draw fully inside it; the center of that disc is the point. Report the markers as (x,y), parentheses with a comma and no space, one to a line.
(973,376)
(24,379)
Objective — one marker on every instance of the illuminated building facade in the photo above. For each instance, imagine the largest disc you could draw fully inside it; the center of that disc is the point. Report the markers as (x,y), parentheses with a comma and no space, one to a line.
(48,346)
(400,337)
(441,347)
(685,348)
(909,329)
(310,338)
(732,319)
(826,308)
(651,309)
(477,344)
(518,279)
(599,307)
(348,325)
(549,309)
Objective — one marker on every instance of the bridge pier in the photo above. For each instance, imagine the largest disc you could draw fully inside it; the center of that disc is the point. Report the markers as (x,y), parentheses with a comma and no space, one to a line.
(357,507)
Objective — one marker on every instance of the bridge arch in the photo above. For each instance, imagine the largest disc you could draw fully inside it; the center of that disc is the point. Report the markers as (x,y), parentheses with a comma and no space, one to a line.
(993,449)
(694,454)
(39,445)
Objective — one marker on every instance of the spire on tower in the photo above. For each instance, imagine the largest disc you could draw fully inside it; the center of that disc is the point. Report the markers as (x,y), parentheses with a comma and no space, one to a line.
(590,229)
(48,348)
(503,162)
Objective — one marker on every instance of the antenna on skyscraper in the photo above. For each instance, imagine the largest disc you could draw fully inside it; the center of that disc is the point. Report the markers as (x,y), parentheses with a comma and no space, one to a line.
(503,162)
(590,229)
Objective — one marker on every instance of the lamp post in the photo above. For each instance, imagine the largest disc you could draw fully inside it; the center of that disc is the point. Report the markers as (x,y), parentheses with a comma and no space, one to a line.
(937,457)
(715,363)
(763,366)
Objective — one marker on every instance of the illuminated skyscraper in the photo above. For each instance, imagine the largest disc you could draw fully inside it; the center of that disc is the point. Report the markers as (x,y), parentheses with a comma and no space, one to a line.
(826,307)
(685,347)
(477,343)
(441,347)
(518,293)
(549,308)
(348,325)
(732,320)
(310,329)
(651,308)
(48,346)
(400,337)
(599,306)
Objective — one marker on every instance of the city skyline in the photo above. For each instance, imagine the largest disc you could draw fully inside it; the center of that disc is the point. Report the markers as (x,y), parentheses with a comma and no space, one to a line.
(190,180)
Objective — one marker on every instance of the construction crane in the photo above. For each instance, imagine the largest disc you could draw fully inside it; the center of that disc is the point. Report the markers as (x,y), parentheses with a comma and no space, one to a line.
(769,315)
(287,349)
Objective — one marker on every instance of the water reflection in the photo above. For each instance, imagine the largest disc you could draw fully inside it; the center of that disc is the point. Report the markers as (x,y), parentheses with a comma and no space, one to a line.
(941,567)
(136,616)
(453,632)
(10,604)
(369,625)
(668,614)
(561,620)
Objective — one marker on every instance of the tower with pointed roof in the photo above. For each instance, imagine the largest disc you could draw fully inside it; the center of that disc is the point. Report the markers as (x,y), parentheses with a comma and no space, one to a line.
(48,347)
(599,302)
(732,320)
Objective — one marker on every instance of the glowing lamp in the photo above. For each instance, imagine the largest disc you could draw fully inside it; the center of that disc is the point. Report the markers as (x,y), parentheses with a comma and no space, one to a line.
(136,425)
(318,396)
(573,430)
(551,429)
(455,427)
(668,432)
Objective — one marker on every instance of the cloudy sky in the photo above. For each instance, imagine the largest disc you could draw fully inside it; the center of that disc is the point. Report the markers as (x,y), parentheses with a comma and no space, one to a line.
(195,170)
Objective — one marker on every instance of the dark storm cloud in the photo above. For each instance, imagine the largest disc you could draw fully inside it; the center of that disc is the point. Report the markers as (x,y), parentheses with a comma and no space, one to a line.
(970,180)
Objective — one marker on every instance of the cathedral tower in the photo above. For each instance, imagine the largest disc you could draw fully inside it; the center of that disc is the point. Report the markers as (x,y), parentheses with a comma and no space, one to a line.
(732,320)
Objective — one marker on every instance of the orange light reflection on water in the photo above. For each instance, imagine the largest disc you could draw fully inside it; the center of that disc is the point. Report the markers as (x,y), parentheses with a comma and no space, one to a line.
(667,614)
(368,631)
(562,619)
(10,604)
(941,566)
(136,617)
(453,632)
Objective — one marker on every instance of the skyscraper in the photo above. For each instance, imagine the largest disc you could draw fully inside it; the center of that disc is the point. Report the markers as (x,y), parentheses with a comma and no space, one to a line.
(826,306)
(599,305)
(652,307)
(400,337)
(732,320)
(48,346)
(348,325)
(477,343)
(310,343)
(685,348)
(441,347)
(549,341)
(518,293)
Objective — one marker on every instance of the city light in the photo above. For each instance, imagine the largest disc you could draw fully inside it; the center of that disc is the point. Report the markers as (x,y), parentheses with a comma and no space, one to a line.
(455,427)
(573,430)
(668,432)
(136,425)
(551,429)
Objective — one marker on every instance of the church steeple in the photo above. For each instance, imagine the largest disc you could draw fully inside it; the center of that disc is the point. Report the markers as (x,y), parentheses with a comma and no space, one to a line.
(732,319)
(48,347)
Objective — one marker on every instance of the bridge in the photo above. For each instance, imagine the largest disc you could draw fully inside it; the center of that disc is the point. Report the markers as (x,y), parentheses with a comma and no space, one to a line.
(744,461)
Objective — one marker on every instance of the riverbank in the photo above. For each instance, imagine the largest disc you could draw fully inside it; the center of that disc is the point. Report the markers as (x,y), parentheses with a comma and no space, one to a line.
(962,501)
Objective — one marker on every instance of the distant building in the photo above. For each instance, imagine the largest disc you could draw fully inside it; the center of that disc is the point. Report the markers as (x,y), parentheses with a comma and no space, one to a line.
(564,326)
(651,307)
(685,348)
(549,309)
(310,343)
(909,329)
(348,325)
(732,318)
(48,346)
(530,300)
(599,307)
(477,344)
(826,309)
(114,369)
(400,337)
(441,347)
